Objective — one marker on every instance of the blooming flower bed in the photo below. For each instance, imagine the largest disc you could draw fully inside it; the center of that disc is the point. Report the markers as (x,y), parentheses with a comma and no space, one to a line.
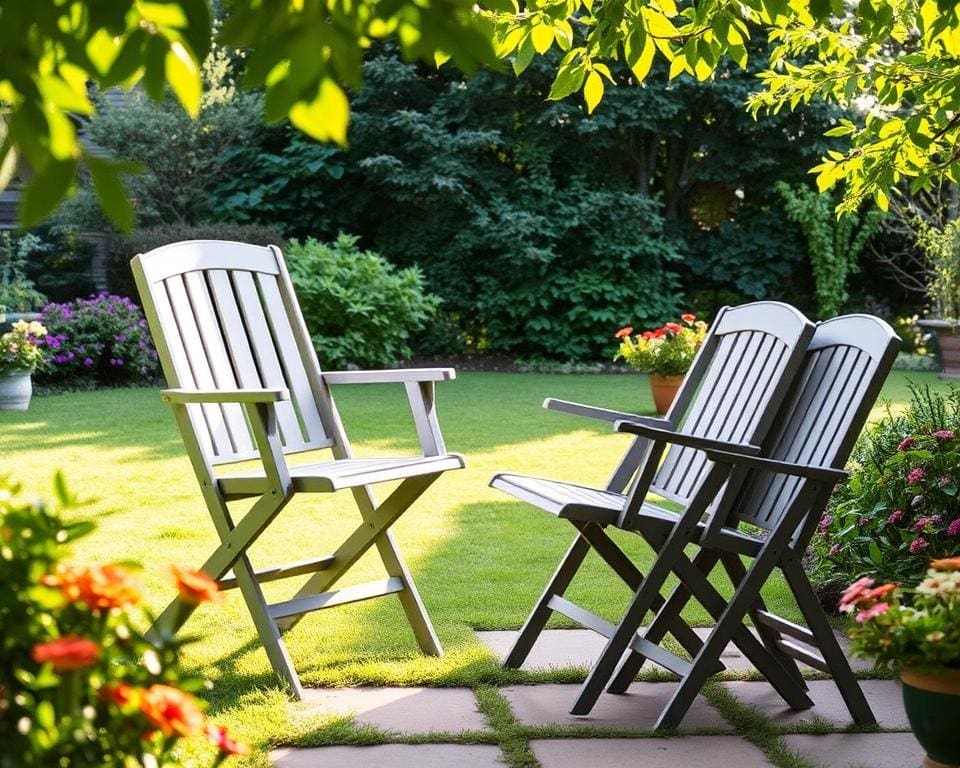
(102,340)
(665,351)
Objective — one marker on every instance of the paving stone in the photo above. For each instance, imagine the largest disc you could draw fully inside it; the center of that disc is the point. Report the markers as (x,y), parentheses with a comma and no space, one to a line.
(393,755)
(637,709)
(859,750)
(407,710)
(554,647)
(884,697)
(726,751)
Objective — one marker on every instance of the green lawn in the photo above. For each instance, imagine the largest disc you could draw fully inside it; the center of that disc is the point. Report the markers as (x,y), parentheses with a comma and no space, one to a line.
(479,559)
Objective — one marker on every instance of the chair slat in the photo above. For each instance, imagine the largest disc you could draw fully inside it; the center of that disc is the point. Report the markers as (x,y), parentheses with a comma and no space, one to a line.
(296,373)
(196,358)
(268,362)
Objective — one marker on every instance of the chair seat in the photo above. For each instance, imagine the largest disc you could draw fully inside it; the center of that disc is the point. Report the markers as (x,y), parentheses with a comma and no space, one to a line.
(592,505)
(329,476)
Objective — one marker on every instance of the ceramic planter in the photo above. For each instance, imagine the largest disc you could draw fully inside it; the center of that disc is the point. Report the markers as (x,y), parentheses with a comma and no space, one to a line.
(15,391)
(932,702)
(948,341)
(664,390)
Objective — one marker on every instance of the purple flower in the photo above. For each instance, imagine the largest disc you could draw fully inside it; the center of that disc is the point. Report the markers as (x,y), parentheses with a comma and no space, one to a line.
(918,545)
(834,550)
(825,523)
(87,362)
(943,434)
(862,521)
(120,338)
(944,481)
(905,444)
(922,522)
(916,476)
(954,528)
(895,517)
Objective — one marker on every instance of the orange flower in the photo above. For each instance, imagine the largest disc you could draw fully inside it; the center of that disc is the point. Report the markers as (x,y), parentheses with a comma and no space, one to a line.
(120,694)
(100,588)
(673,327)
(66,653)
(877,592)
(624,332)
(946,564)
(688,318)
(196,587)
(171,710)
(218,735)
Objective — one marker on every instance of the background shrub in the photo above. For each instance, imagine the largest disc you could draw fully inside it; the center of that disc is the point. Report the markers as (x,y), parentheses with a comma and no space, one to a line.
(122,248)
(900,506)
(100,340)
(359,308)
(17,291)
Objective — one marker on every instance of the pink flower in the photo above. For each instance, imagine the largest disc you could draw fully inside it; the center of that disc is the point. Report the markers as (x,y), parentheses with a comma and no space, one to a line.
(943,434)
(852,594)
(825,522)
(918,545)
(895,517)
(834,549)
(905,444)
(872,612)
(944,481)
(916,476)
(954,528)
(862,521)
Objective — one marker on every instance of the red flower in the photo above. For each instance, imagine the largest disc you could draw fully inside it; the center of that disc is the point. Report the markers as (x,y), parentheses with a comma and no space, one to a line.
(171,710)
(673,327)
(916,476)
(658,333)
(120,694)
(688,318)
(66,653)
(624,332)
(647,335)
(196,587)
(218,735)
(905,444)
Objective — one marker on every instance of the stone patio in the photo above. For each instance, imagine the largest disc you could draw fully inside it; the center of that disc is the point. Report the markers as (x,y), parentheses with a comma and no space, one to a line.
(448,727)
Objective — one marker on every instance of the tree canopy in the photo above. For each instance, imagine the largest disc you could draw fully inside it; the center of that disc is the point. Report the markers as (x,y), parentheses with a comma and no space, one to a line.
(896,61)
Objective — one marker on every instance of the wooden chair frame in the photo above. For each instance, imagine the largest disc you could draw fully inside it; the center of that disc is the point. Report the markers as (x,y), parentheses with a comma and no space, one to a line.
(245,384)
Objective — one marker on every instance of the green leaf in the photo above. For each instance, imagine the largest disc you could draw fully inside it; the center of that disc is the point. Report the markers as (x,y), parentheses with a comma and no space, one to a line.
(183,74)
(326,117)
(111,191)
(593,91)
(46,190)
(524,56)
(569,80)
(875,554)
(542,36)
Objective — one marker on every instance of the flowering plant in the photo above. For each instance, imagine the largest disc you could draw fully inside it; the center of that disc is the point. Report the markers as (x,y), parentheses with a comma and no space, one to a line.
(103,338)
(665,351)
(909,627)
(901,506)
(79,684)
(20,348)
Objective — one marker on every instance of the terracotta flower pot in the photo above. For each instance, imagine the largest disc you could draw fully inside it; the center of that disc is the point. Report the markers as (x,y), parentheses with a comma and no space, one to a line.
(932,701)
(948,341)
(664,390)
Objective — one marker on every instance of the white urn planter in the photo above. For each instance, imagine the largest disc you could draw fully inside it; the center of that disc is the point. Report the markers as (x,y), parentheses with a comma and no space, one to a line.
(15,391)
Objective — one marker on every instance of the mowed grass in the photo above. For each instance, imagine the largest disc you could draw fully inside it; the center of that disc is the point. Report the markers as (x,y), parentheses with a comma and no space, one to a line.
(479,559)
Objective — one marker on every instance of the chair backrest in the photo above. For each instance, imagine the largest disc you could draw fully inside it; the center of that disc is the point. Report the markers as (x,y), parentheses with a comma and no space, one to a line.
(819,423)
(224,316)
(734,387)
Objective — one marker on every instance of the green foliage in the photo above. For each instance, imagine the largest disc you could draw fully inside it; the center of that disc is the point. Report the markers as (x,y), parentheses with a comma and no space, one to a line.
(358,307)
(834,243)
(941,250)
(123,247)
(17,291)
(60,265)
(900,506)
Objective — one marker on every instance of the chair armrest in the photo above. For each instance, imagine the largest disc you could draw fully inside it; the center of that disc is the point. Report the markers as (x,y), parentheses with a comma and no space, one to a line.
(600,414)
(224,395)
(822,474)
(690,441)
(394,376)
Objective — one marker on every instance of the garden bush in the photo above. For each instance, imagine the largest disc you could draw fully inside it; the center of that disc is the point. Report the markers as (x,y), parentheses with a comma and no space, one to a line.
(900,506)
(122,248)
(358,307)
(100,340)
(17,291)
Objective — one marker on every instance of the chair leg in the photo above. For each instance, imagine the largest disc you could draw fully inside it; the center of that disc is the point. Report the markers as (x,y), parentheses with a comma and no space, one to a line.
(827,643)
(537,619)
(736,570)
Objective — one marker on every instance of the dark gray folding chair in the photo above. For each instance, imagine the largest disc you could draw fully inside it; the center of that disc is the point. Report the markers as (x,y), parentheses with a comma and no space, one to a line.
(246,385)
(727,401)
(782,493)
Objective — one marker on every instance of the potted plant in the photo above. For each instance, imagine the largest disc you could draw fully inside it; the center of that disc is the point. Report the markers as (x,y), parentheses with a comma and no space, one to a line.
(917,632)
(664,353)
(20,353)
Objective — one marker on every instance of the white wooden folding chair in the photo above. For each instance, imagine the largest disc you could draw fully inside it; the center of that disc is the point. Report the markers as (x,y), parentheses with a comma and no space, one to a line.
(727,401)
(245,384)
(781,493)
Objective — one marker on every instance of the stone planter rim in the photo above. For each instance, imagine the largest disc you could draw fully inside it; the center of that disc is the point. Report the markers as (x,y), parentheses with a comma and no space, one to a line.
(937,322)
(938,680)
